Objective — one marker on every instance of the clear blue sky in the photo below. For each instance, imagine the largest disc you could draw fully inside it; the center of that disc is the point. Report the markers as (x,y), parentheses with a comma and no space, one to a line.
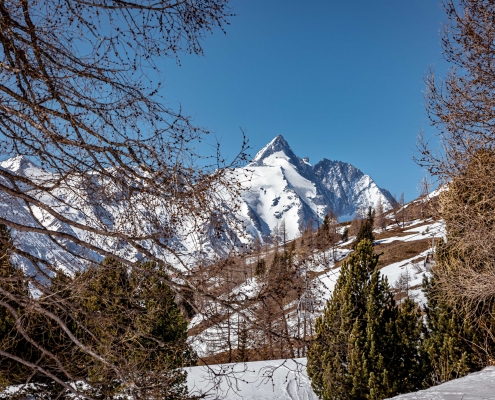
(341,80)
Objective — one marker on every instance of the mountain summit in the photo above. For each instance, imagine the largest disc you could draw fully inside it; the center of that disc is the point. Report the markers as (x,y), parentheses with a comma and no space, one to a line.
(285,187)
(277,145)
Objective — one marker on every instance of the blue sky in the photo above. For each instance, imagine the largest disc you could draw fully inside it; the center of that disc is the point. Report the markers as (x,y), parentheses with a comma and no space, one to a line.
(341,80)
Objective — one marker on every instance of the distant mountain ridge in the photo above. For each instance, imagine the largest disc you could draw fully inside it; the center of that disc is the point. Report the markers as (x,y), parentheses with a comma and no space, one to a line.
(277,186)
(285,187)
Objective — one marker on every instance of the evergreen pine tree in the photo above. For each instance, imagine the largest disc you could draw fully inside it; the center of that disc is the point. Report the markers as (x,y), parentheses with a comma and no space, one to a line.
(412,367)
(366,346)
(119,308)
(325,226)
(366,228)
(11,372)
(378,352)
(137,306)
(242,344)
(453,343)
(345,235)
(323,234)
(334,358)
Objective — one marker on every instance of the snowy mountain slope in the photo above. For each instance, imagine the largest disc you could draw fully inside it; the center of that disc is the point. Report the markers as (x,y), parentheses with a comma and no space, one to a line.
(78,199)
(284,187)
(322,267)
(350,188)
(211,340)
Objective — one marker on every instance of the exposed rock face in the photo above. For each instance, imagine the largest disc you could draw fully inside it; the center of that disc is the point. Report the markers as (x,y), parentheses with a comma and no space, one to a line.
(285,187)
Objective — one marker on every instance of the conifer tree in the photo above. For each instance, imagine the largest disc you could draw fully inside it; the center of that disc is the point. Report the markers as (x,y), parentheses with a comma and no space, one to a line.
(137,307)
(132,317)
(11,371)
(242,344)
(345,235)
(366,228)
(366,346)
(454,343)
(323,234)
(412,367)
(380,338)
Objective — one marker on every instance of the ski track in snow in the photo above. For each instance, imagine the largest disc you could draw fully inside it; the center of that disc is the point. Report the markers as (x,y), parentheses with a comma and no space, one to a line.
(263,380)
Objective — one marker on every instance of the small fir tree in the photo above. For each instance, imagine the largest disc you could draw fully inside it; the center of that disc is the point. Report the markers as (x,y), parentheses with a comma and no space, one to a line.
(345,235)
(411,367)
(366,228)
(242,344)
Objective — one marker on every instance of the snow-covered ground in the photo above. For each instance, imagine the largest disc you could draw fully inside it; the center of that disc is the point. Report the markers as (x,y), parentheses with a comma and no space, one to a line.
(260,380)
(475,386)
(287,379)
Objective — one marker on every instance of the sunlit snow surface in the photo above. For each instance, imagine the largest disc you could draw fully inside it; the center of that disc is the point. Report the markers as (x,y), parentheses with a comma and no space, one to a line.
(276,379)
(287,379)
(476,386)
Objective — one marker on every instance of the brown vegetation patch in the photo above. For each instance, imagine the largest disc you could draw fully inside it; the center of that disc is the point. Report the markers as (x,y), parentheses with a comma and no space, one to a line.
(398,251)
(391,233)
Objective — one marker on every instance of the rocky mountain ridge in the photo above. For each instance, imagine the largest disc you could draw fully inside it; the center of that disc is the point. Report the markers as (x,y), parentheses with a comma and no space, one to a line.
(285,187)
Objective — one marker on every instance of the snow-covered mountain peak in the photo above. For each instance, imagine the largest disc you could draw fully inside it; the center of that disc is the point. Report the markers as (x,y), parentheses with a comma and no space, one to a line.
(278,189)
(277,148)
(22,165)
(17,164)
(287,189)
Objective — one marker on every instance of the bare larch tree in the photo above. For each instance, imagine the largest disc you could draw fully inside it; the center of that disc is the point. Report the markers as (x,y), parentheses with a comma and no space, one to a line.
(95,166)
(461,106)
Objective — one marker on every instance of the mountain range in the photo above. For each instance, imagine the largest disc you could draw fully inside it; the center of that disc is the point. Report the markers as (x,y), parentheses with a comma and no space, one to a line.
(277,187)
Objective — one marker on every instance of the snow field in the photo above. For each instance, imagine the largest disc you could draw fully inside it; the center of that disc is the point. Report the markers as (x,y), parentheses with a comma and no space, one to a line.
(260,380)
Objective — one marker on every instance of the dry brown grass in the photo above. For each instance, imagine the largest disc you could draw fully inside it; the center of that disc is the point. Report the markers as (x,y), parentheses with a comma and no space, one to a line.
(398,251)
(391,233)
